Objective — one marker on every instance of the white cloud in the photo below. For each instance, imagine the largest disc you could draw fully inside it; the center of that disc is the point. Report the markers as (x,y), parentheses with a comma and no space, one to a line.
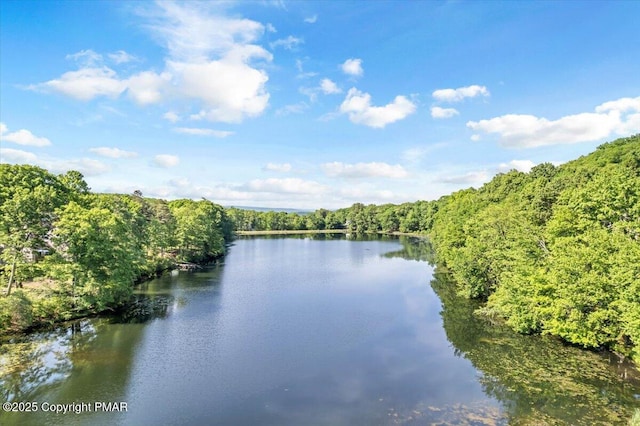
(237,91)
(121,57)
(415,154)
(85,84)
(86,57)
(301,72)
(166,160)
(364,170)
(350,195)
(86,166)
(288,186)
(113,152)
(455,95)
(358,106)
(17,156)
(211,62)
(198,31)
(437,112)
(22,137)
(298,108)
(621,105)
(146,87)
(352,67)
(328,87)
(288,43)
(270,28)
(472,178)
(520,165)
(196,131)
(475,138)
(528,131)
(171,116)
(311,19)
(272,167)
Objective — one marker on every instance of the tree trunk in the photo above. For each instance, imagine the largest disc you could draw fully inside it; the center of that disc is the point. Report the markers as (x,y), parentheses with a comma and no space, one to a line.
(13,272)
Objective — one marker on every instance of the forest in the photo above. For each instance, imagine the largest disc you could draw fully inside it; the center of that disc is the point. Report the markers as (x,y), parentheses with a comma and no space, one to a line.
(67,252)
(553,251)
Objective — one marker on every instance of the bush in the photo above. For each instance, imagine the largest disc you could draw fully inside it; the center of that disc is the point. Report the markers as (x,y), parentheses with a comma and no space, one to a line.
(16,312)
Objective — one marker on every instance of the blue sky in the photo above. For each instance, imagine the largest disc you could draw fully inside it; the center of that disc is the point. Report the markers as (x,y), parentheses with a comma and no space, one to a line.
(312,104)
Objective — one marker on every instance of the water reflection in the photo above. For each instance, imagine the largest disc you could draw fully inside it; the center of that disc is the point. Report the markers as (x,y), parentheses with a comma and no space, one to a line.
(539,380)
(312,330)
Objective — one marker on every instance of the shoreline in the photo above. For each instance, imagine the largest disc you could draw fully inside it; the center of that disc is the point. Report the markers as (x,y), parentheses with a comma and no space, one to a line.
(292,232)
(324,231)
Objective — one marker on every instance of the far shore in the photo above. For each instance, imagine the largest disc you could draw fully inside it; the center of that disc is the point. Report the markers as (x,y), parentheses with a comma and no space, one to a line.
(293,231)
(321,231)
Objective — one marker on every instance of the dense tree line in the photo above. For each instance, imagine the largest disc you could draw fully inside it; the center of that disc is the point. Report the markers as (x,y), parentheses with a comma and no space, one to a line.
(91,247)
(386,218)
(553,251)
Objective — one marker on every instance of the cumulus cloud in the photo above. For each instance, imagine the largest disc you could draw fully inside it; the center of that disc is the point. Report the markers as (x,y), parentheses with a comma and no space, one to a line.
(85,84)
(520,165)
(17,156)
(288,43)
(166,160)
(364,170)
(196,131)
(358,106)
(353,67)
(86,166)
(236,92)
(22,137)
(311,19)
(104,151)
(212,62)
(171,116)
(621,105)
(437,112)
(288,186)
(456,95)
(146,87)
(328,87)
(621,116)
(273,167)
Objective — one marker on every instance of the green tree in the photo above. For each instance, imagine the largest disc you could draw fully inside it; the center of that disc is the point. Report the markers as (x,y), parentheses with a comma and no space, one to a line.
(28,197)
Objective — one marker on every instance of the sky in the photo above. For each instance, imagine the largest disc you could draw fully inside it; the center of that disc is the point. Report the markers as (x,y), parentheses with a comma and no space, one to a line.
(305,104)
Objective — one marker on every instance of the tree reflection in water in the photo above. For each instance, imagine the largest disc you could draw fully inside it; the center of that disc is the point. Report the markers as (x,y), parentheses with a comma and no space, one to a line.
(34,363)
(538,379)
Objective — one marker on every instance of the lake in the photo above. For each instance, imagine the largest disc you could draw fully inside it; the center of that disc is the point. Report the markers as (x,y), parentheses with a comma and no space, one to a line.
(308,330)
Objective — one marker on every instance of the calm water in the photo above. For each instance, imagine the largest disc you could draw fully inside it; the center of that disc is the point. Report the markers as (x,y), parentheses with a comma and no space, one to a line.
(298,331)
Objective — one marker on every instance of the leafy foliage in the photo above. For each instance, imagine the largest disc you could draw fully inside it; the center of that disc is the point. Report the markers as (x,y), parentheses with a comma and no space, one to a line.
(96,246)
(553,251)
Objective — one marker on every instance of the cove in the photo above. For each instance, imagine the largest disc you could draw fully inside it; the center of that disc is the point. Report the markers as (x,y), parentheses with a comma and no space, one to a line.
(320,330)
